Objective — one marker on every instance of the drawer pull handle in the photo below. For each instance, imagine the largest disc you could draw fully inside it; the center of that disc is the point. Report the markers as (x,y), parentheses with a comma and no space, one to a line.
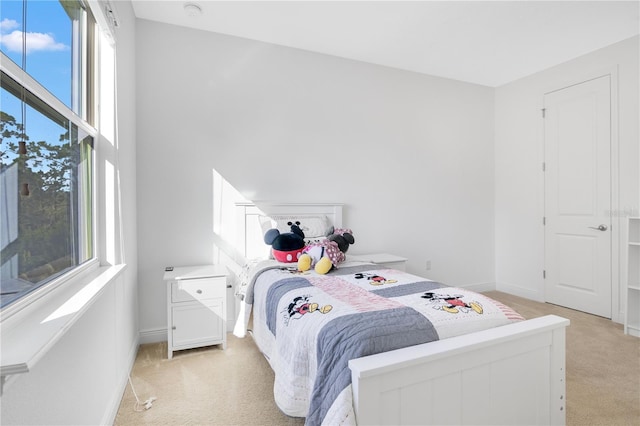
(199,291)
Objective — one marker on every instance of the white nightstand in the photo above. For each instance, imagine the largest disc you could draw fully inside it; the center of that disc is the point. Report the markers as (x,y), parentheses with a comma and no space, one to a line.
(383,259)
(196,307)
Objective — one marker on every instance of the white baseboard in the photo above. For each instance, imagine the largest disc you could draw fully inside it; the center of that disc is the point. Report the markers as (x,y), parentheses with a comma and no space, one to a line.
(157,335)
(480,287)
(507,288)
(632,331)
(112,410)
(153,335)
(520,291)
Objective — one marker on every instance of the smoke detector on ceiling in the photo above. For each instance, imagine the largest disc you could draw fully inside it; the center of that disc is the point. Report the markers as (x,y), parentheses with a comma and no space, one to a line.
(192,9)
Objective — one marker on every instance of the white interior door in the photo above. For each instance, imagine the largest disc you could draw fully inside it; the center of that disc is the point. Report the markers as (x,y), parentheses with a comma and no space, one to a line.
(577,132)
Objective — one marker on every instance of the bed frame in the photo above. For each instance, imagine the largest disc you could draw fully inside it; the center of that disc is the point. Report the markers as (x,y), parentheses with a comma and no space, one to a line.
(247,218)
(514,374)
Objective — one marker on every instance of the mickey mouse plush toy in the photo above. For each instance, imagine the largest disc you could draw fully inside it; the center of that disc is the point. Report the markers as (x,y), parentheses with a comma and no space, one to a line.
(286,247)
(326,254)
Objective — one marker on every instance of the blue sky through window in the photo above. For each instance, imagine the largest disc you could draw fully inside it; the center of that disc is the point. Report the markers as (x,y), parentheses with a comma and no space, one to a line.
(48,29)
(48,59)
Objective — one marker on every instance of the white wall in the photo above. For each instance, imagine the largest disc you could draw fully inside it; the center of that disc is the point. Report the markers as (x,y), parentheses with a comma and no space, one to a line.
(81,378)
(519,191)
(410,155)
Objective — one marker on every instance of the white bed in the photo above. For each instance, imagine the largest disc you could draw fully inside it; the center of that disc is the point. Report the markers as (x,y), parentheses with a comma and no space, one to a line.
(511,374)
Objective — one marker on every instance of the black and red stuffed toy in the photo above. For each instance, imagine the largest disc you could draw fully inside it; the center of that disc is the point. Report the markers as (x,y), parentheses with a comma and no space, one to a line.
(286,247)
(322,256)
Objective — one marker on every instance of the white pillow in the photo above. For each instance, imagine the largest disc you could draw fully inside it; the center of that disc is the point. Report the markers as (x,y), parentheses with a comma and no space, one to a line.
(313,226)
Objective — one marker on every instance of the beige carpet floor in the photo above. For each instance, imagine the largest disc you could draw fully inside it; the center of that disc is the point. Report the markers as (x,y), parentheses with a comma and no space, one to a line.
(209,386)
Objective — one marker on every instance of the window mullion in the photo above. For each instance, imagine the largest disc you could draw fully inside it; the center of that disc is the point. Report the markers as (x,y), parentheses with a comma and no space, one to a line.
(31,85)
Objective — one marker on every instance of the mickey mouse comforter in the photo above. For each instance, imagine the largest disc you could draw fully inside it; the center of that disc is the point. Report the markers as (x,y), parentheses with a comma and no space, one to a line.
(309,326)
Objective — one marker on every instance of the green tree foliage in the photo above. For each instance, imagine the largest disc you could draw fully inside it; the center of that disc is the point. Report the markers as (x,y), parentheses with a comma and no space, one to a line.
(44,245)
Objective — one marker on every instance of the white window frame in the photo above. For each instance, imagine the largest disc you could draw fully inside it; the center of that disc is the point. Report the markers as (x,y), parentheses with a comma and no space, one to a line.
(33,324)
(30,84)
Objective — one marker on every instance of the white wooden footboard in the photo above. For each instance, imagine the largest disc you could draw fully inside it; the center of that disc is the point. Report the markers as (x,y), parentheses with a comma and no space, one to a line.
(512,375)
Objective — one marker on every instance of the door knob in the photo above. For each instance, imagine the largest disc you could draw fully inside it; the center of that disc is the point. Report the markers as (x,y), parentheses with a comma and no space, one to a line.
(599,228)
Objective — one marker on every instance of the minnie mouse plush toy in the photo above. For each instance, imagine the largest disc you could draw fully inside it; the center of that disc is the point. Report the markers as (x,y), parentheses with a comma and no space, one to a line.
(326,254)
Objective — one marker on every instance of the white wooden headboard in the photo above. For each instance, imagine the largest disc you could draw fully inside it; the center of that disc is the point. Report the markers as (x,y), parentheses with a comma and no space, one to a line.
(250,232)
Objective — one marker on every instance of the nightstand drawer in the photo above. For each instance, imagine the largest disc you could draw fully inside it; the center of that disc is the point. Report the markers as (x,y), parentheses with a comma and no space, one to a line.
(198,289)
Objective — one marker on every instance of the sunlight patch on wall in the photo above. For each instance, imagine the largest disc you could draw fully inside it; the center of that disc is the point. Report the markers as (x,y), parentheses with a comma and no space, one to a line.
(231,239)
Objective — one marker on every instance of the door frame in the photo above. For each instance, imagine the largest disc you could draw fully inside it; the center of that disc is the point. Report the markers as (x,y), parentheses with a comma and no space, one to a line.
(617,293)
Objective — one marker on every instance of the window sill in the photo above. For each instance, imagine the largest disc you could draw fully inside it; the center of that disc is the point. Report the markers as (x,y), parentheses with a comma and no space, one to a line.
(29,334)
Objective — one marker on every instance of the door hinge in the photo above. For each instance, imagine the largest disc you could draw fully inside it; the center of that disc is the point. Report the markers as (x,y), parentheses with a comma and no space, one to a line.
(544,166)
(544,220)
(544,274)
(544,112)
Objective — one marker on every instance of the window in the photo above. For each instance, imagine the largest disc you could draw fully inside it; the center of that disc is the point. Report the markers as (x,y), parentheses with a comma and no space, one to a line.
(46,143)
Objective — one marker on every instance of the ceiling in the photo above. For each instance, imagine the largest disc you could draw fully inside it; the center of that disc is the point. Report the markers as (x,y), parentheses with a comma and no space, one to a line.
(484,42)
